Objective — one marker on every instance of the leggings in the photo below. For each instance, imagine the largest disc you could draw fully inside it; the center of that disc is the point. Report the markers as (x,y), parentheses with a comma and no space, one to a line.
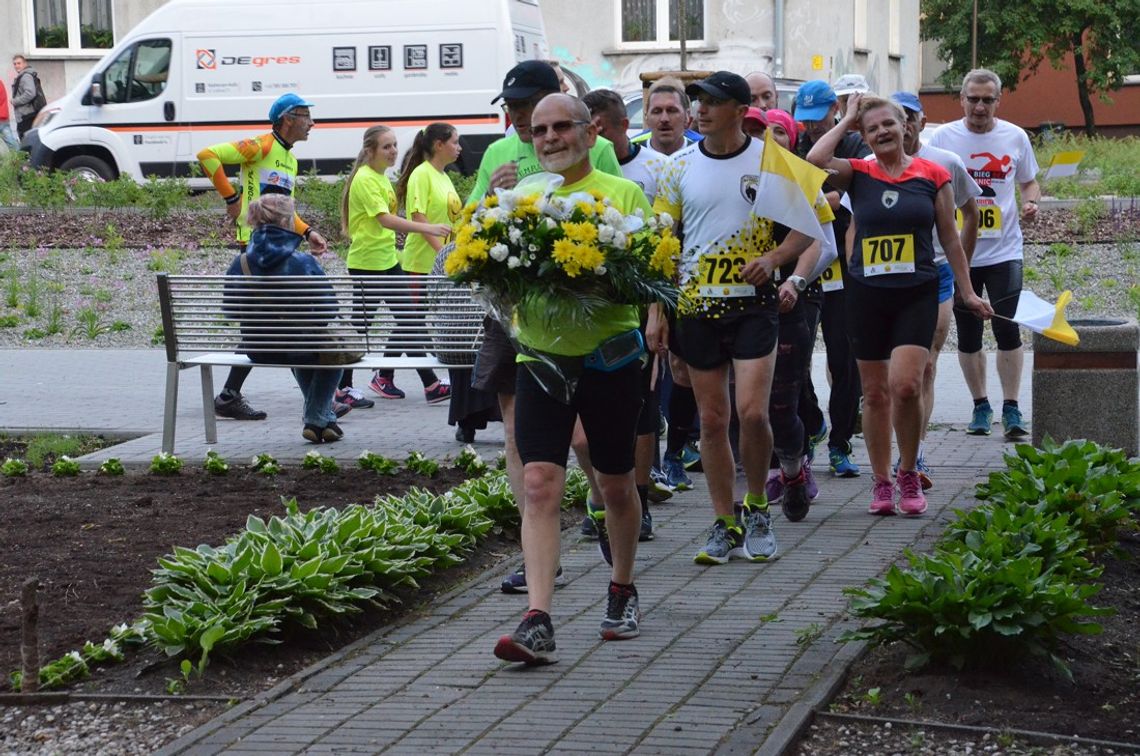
(1002,281)
(792,349)
(365,303)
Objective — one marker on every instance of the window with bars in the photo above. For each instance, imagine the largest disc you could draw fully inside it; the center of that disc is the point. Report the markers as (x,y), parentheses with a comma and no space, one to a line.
(660,21)
(72,24)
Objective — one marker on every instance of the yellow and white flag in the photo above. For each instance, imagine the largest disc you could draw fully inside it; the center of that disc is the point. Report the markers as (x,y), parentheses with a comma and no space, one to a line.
(789,189)
(1044,318)
(1065,164)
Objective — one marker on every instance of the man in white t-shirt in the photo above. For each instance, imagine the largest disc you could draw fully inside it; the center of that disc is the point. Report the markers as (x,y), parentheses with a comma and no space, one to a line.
(1000,159)
(640,163)
(727,314)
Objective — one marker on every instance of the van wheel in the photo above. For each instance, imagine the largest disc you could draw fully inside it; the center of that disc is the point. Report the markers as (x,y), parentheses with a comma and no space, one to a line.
(89,168)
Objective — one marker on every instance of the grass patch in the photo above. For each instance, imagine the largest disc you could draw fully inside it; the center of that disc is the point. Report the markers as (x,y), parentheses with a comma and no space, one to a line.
(42,450)
(1110,166)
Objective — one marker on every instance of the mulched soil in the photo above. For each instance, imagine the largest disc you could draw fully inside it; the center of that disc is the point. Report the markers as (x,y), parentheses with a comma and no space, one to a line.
(1102,701)
(92,540)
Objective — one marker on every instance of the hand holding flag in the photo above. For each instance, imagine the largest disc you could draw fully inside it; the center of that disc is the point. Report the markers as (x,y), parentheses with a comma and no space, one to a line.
(1044,318)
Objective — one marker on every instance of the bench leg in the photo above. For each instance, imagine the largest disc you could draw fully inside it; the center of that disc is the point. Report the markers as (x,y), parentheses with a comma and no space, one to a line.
(170,411)
(208,404)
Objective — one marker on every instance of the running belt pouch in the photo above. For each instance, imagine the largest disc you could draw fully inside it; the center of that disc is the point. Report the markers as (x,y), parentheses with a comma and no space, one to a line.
(616,352)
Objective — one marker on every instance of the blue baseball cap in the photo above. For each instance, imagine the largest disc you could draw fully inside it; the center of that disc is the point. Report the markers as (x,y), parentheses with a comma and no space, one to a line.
(908,101)
(284,104)
(813,100)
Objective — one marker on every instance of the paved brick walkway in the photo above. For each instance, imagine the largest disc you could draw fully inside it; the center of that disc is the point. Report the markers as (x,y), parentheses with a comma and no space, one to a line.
(726,654)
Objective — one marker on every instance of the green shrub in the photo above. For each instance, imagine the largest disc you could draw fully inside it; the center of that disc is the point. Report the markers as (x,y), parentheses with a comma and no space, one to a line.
(960,608)
(65,467)
(112,467)
(14,468)
(1097,488)
(165,464)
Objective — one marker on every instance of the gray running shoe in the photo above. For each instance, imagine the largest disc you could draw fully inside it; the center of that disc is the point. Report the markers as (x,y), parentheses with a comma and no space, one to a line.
(532,643)
(622,613)
(759,538)
(725,542)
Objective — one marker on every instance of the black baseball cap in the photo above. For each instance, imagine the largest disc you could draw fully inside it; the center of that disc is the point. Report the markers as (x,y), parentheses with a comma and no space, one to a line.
(723,84)
(528,79)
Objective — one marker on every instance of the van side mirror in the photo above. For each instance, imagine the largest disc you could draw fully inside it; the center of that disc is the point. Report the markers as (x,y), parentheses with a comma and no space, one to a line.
(96,91)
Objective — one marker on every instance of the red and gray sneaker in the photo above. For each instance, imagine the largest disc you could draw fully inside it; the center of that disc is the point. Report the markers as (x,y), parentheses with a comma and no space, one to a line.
(532,642)
(354,398)
(882,497)
(911,499)
(438,392)
(384,387)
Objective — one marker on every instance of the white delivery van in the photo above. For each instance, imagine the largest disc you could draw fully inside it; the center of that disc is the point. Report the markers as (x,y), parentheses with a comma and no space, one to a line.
(200,72)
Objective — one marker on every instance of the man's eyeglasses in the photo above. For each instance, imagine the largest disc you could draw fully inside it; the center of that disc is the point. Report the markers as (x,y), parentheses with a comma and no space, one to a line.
(517,105)
(558,127)
(983,100)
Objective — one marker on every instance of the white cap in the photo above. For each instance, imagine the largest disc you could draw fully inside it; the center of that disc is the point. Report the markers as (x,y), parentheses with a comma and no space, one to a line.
(850,84)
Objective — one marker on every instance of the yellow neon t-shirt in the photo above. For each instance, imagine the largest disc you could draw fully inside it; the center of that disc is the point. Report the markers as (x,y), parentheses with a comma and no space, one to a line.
(429,192)
(373,246)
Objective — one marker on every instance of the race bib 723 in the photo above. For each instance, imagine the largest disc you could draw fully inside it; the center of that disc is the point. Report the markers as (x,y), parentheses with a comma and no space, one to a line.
(720,275)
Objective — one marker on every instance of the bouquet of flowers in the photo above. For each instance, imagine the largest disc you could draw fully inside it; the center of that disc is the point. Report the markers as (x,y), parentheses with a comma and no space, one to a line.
(566,257)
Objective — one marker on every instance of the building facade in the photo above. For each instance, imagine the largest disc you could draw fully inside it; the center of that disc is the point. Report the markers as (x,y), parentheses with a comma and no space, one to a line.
(609,43)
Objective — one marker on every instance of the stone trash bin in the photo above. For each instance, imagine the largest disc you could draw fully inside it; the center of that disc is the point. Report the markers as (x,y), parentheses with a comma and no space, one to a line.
(1091,390)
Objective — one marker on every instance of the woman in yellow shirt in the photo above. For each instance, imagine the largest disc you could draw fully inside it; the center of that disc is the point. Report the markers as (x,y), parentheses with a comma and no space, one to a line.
(369,218)
(427,195)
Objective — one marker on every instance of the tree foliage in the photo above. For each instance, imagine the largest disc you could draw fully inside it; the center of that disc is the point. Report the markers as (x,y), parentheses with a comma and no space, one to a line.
(1015,36)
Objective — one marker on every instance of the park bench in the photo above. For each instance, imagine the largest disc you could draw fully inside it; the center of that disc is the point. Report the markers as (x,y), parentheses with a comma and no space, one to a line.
(200,329)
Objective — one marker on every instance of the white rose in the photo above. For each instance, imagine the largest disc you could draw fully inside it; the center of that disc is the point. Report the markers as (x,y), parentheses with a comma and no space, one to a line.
(499,252)
(605,233)
(613,216)
(513,262)
(666,220)
(515,234)
(550,224)
(619,240)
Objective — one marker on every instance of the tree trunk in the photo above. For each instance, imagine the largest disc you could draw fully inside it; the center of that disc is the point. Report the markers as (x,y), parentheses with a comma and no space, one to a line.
(1082,83)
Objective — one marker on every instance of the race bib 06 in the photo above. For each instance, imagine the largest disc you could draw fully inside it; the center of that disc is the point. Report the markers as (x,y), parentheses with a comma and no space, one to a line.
(720,276)
(989,221)
(883,255)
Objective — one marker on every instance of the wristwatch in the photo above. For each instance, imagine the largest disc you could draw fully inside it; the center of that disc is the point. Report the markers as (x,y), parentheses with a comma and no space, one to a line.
(799,282)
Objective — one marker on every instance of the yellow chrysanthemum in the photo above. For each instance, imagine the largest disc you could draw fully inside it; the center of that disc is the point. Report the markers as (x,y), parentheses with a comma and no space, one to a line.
(589,256)
(580,232)
(492,201)
(664,257)
(455,264)
(465,234)
(528,205)
(596,194)
(586,208)
(474,251)
(488,223)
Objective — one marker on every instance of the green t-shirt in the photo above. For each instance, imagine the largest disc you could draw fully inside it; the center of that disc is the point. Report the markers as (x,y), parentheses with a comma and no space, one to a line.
(511,149)
(373,246)
(627,197)
(429,192)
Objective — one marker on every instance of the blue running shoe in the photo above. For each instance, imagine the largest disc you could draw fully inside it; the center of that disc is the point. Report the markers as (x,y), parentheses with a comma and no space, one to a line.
(839,461)
(924,474)
(691,456)
(982,420)
(675,475)
(1012,423)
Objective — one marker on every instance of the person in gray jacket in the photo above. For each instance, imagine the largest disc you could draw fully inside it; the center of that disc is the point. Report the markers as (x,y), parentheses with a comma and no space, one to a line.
(24,93)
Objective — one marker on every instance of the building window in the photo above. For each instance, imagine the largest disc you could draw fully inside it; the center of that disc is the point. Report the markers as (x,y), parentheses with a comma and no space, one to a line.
(72,24)
(658,22)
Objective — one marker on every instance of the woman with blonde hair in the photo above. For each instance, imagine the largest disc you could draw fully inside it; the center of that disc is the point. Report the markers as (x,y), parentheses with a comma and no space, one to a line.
(369,219)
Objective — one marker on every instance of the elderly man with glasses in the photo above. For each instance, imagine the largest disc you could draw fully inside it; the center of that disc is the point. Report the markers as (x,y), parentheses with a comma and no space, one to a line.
(1000,158)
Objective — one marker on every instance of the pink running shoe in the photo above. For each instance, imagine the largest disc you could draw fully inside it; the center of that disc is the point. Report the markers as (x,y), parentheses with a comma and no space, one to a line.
(911,499)
(882,497)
